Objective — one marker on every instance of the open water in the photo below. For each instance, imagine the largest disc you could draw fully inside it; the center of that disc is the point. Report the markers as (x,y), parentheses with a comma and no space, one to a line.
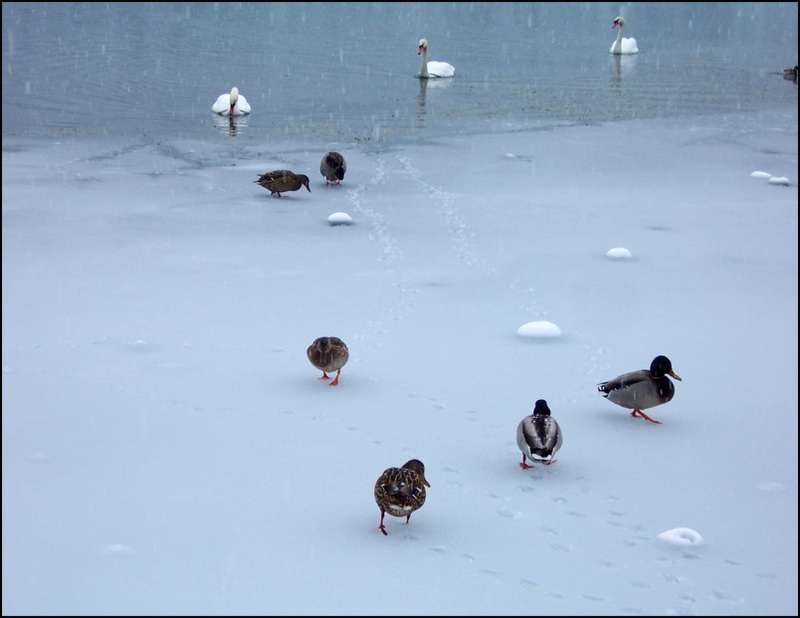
(347,71)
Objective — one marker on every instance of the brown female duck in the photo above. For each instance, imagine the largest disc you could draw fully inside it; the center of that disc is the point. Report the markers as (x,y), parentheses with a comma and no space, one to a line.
(281,181)
(401,491)
(328,354)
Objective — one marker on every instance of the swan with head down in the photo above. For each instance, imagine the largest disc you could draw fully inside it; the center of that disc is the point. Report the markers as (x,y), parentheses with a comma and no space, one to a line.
(233,104)
(432,68)
(622,45)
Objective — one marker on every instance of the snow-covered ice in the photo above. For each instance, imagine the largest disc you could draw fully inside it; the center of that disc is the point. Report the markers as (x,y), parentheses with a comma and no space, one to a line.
(169,450)
(156,315)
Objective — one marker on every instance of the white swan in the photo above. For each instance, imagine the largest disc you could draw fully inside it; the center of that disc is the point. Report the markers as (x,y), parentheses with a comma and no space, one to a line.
(432,68)
(622,46)
(233,104)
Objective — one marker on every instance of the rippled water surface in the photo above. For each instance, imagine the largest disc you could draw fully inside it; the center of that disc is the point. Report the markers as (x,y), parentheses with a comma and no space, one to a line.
(348,71)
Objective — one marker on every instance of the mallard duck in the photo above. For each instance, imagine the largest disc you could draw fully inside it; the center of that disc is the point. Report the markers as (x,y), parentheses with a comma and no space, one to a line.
(333,167)
(328,354)
(642,389)
(233,104)
(401,491)
(281,181)
(538,436)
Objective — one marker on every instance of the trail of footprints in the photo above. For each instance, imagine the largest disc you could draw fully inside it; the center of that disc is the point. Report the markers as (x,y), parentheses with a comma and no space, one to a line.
(443,204)
(391,256)
(390,252)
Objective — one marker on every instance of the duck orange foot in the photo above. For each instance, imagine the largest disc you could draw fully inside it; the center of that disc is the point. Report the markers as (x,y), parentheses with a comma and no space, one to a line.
(640,414)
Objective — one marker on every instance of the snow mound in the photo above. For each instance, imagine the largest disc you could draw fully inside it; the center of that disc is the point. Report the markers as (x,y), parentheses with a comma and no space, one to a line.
(339,218)
(539,330)
(779,180)
(681,537)
(619,253)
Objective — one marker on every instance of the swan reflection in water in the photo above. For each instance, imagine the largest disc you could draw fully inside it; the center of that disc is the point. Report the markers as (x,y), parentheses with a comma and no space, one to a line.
(230,124)
(623,66)
(423,89)
(424,85)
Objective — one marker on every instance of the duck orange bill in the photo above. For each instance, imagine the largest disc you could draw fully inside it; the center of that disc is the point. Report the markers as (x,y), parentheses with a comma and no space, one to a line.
(676,376)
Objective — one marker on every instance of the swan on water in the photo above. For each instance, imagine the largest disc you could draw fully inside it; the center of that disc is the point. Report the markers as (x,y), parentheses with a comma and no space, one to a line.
(622,45)
(432,68)
(233,104)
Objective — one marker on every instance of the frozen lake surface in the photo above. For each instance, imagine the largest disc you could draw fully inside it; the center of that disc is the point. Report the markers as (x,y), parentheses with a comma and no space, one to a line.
(550,218)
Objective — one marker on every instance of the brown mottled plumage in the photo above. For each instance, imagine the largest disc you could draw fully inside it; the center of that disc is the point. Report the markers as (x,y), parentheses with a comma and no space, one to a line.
(333,167)
(281,181)
(328,354)
(401,491)
(642,389)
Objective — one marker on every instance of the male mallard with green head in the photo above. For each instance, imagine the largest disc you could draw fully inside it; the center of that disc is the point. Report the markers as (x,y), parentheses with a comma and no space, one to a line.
(538,436)
(642,389)
(281,181)
(333,167)
(401,491)
(328,354)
